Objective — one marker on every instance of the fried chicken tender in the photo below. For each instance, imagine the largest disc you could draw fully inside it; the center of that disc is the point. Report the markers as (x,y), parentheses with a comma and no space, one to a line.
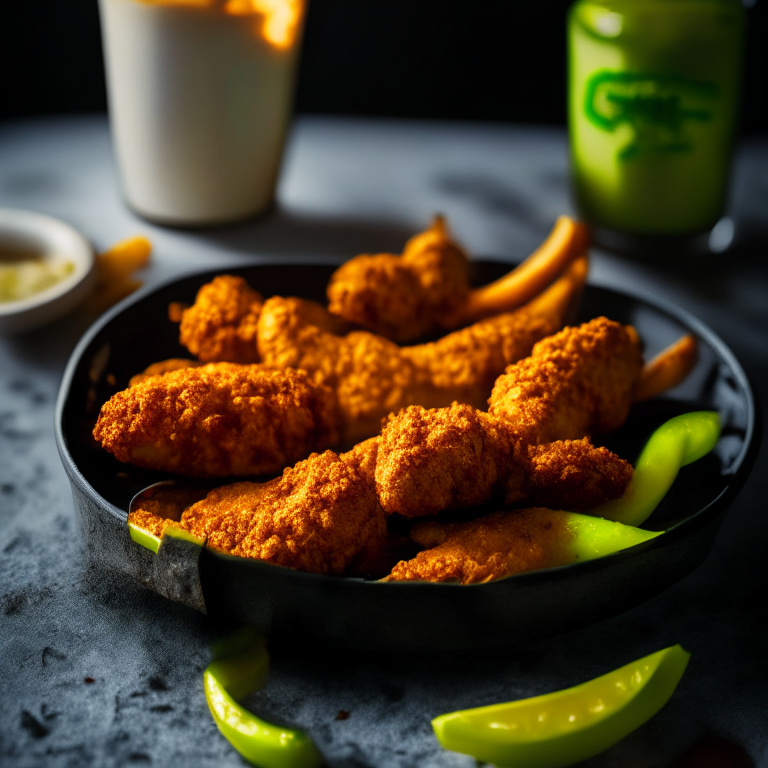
(373,376)
(427,289)
(568,474)
(403,297)
(488,548)
(320,516)
(429,461)
(221,325)
(578,382)
(433,460)
(218,420)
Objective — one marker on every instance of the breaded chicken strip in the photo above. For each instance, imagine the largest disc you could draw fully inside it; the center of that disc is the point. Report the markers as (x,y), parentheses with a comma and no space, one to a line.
(218,420)
(221,325)
(488,548)
(403,297)
(373,376)
(437,459)
(320,516)
(578,382)
(429,461)
(427,289)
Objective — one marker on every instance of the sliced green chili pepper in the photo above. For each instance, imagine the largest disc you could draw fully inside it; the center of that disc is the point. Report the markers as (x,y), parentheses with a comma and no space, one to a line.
(565,727)
(240,666)
(593,537)
(152,542)
(677,442)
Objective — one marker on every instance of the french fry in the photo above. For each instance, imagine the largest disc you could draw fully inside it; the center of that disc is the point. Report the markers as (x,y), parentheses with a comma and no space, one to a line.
(114,272)
(668,369)
(123,259)
(563,296)
(567,240)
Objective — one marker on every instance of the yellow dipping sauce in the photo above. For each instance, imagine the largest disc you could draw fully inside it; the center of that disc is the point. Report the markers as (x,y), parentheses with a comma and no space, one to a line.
(25,273)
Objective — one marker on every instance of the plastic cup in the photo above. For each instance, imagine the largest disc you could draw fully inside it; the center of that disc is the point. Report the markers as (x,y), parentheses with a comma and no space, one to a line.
(200,99)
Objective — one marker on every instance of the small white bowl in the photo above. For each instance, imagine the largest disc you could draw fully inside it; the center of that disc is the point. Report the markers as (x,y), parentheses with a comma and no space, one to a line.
(52,239)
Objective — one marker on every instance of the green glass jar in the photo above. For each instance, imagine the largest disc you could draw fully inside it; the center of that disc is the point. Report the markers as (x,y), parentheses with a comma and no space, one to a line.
(653,105)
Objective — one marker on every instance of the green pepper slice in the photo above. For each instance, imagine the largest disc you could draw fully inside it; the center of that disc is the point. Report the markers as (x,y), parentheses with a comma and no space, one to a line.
(677,442)
(240,666)
(565,727)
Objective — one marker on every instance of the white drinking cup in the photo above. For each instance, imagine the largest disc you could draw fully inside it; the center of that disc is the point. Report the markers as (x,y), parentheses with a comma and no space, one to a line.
(200,98)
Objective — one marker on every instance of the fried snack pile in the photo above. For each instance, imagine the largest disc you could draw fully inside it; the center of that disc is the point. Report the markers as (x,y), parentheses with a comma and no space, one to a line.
(219,420)
(277,379)
(429,461)
(425,462)
(373,377)
(221,326)
(427,288)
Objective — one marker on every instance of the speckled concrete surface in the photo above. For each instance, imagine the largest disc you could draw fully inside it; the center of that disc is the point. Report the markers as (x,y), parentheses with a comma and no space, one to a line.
(97,671)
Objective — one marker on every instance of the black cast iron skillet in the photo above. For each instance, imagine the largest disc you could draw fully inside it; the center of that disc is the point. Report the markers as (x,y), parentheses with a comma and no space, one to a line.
(404,615)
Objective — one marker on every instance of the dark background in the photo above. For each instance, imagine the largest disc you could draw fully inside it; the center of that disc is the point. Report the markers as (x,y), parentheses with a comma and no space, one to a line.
(399,58)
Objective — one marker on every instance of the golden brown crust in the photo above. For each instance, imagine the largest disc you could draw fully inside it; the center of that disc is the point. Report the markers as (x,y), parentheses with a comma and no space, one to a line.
(219,420)
(429,461)
(576,383)
(373,377)
(491,547)
(318,517)
(572,475)
(221,325)
(439,459)
(403,297)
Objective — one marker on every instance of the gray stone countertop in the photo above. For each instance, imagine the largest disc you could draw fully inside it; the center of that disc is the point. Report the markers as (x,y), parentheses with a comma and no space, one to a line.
(97,671)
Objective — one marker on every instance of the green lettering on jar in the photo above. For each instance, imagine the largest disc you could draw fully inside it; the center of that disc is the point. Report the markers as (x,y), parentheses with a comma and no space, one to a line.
(655,107)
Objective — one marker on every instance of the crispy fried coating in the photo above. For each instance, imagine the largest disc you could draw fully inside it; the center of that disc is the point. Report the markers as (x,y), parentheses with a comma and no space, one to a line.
(218,420)
(448,458)
(577,382)
(438,459)
(403,297)
(569,474)
(221,325)
(319,516)
(491,547)
(163,366)
(373,376)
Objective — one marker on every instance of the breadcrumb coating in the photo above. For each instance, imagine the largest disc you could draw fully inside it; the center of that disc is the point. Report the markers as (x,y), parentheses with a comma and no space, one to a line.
(373,377)
(221,325)
(489,548)
(577,382)
(403,297)
(439,459)
(219,420)
(429,461)
(319,516)
(572,475)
